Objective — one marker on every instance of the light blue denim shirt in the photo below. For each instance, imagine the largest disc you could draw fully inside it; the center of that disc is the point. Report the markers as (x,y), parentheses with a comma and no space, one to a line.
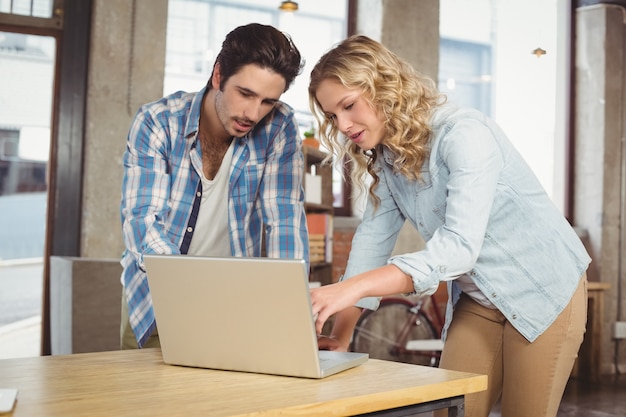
(482,212)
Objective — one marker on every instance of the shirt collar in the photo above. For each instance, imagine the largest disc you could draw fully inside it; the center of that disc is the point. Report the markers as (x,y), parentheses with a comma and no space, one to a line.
(193,121)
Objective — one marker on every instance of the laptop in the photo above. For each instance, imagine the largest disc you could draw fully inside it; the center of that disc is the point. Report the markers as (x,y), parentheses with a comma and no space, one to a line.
(239,314)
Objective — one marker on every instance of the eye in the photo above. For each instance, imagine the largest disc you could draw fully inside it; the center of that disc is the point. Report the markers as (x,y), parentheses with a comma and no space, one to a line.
(349,106)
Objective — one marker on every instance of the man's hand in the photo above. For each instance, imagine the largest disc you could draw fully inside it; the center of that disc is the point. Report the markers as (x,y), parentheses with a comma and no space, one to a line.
(330,343)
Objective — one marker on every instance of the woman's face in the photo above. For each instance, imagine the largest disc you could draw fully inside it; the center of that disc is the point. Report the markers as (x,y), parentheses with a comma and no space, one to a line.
(351,114)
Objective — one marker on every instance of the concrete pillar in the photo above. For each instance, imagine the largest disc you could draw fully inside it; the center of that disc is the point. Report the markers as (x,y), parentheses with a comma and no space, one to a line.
(409,28)
(126,69)
(599,198)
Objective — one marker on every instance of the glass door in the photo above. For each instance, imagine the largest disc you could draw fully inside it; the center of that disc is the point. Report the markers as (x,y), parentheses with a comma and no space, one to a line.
(27,68)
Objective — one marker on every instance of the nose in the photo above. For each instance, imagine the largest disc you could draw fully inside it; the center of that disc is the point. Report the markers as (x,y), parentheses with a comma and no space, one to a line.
(254,111)
(344,123)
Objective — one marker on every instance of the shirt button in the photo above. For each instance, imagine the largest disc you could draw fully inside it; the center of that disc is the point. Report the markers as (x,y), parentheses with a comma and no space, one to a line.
(494,295)
(190,229)
(198,194)
(441,268)
(421,224)
(514,316)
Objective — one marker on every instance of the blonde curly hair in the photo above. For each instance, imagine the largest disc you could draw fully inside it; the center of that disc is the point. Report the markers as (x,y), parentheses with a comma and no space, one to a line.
(391,86)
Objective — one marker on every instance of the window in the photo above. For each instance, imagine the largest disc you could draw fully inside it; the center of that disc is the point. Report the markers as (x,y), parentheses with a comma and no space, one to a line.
(35,8)
(465,73)
(27,79)
(487,61)
(26,97)
(196,29)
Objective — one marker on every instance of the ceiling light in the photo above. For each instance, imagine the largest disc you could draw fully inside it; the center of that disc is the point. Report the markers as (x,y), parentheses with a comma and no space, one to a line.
(288,6)
(538,52)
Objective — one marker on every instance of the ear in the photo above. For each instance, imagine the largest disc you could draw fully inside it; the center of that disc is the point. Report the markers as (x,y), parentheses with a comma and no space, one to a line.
(215,80)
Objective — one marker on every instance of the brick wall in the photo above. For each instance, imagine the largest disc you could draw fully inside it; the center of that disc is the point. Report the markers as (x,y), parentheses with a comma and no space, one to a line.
(342,242)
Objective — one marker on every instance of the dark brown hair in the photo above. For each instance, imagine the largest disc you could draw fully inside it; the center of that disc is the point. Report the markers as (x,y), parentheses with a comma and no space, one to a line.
(262,45)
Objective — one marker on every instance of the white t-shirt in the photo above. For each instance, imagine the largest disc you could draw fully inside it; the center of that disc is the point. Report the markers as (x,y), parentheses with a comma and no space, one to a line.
(211,237)
(468,287)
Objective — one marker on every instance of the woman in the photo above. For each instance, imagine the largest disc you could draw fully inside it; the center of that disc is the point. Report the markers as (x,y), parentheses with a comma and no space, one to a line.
(514,267)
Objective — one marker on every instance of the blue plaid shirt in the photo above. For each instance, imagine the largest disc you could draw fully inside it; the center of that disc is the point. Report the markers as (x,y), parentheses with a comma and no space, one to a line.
(162,190)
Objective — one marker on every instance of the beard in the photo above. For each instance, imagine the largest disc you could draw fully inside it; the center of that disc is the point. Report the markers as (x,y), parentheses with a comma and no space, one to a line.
(233,125)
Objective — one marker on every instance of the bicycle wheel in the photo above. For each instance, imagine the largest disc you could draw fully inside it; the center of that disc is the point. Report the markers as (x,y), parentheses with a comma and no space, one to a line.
(378,333)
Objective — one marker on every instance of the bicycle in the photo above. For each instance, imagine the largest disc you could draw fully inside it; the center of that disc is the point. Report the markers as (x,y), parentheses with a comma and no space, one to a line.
(402,329)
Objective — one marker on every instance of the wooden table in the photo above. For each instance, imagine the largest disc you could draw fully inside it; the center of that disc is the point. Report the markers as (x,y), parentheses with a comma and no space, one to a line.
(137,383)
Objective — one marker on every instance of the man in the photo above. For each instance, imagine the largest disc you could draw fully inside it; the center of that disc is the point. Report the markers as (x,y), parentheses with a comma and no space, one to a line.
(212,173)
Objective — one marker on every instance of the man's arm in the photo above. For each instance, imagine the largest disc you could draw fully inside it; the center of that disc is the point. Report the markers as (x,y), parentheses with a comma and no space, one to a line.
(145,190)
(282,195)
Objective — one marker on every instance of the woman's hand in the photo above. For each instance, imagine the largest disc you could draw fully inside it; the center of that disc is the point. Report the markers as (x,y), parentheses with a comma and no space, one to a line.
(330,299)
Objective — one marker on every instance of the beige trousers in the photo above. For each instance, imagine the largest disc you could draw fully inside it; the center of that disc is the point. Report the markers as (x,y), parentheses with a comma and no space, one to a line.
(529,377)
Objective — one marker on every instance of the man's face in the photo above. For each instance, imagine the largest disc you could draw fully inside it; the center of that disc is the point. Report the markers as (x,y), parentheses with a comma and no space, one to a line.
(248,96)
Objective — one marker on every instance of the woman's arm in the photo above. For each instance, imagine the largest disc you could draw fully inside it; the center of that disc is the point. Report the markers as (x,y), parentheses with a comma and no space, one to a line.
(330,299)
